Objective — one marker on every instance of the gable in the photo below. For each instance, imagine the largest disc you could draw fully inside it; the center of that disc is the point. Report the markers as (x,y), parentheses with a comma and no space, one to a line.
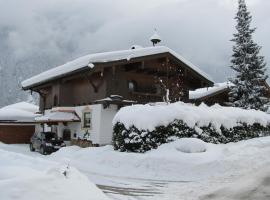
(90,61)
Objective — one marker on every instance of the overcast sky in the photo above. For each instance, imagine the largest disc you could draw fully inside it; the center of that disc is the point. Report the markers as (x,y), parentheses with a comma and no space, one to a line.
(200,30)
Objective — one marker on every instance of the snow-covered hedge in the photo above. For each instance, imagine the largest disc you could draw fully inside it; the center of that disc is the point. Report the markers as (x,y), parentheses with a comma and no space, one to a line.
(139,128)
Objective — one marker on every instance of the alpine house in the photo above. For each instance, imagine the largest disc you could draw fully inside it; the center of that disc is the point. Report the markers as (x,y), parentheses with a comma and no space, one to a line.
(80,98)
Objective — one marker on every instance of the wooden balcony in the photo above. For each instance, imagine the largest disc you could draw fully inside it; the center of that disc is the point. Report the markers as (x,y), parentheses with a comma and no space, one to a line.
(144,97)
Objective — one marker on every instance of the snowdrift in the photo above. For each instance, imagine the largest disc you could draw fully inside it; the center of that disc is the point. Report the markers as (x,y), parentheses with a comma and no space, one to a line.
(168,163)
(23,177)
(191,145)
(139,128)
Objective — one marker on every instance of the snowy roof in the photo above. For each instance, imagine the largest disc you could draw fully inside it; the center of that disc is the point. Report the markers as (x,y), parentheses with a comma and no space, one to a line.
(19,112)
(58,116)
(90,60)
(204,92)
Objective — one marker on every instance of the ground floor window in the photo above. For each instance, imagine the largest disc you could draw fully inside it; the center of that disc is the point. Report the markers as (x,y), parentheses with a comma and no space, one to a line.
(87,119)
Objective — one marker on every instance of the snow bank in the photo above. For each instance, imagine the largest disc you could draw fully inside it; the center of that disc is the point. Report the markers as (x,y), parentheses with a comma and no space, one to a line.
(22,112)
(164,163)
(196,174)
(25,178)
(147,117)
(52,184)
(167,163)
(190,145)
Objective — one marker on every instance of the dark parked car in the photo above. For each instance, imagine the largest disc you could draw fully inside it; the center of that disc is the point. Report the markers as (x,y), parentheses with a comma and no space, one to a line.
(46,142)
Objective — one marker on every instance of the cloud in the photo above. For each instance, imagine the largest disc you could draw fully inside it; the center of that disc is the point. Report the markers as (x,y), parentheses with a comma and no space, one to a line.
(200,30)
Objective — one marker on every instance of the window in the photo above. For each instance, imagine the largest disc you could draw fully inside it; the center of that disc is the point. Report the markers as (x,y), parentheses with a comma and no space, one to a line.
(131,86)
(87,120)
(55,100)
(66,135)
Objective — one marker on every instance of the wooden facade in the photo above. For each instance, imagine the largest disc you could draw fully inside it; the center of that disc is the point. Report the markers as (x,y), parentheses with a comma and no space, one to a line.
(87,85)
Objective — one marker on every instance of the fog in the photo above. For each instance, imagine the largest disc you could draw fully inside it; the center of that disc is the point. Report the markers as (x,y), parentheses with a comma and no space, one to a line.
(36,35)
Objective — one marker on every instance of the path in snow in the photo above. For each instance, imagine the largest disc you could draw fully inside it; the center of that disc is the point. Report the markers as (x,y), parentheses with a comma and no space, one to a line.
(131,188)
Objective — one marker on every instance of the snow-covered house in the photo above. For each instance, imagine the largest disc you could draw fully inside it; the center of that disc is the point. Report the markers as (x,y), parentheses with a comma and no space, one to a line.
(80,98)
(217,94)
(17,122)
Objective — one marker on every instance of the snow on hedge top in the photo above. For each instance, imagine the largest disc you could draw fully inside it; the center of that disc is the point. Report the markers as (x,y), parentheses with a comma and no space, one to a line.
(203,92)
(19,112)
(147,117)
(90,60)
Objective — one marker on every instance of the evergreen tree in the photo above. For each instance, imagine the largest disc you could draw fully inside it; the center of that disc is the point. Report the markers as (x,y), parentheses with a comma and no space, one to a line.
(249,90)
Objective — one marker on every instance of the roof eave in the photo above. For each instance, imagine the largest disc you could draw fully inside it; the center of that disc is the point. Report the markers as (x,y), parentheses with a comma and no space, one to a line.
(168,51)
(210,95)
(31,86)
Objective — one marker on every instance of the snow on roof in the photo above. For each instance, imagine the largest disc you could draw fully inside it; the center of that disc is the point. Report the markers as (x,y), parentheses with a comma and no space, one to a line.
(155,36)
(90,60)
(18,112)
(203,92)
(58,116)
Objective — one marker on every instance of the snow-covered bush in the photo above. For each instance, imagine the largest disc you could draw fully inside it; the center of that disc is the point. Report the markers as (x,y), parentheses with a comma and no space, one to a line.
(190,145)
(141,128)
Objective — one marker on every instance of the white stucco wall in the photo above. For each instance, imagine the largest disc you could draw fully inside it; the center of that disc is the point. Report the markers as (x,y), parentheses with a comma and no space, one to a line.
(106,127)
(101,121)
(95,122)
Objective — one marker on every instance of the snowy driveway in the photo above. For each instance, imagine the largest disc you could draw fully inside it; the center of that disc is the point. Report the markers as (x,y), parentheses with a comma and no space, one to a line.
(114,186)
(165,173)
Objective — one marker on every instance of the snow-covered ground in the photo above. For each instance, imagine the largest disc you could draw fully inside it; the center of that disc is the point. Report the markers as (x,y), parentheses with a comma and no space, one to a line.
(24,177)
(207,171)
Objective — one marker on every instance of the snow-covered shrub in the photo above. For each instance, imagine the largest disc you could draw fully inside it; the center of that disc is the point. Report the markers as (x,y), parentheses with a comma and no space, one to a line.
(190,145)
(141,128)
(135,140)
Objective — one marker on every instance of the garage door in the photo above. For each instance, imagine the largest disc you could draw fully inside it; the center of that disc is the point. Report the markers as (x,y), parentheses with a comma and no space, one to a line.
(16,134)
